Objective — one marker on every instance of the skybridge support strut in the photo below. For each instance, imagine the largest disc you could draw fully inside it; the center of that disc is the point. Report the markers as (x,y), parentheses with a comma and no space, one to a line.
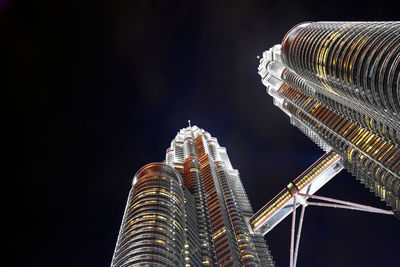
(344,204)
(331,203)
(296,251)
(293,232)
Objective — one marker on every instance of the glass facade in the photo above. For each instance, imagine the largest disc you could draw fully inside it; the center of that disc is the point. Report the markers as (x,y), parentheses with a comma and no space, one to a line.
(339,84)
(357,60)
(152,230)
(190,210)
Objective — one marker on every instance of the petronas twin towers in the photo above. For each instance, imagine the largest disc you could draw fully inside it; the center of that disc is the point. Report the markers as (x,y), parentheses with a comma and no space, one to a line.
(190,210)
(339,82)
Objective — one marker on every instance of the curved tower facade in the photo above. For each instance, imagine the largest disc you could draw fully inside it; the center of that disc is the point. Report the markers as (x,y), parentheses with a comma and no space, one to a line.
(357,60)
(190,210)
(339,82)
(152,230)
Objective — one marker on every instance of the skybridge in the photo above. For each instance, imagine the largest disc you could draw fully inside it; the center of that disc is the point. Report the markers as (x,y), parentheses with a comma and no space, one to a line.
(298,193)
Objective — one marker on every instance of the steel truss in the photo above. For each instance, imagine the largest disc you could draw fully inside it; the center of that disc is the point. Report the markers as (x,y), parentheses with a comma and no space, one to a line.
(332,203)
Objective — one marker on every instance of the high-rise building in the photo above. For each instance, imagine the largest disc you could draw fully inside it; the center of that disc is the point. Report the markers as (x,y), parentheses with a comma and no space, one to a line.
(190,210)
(339,82)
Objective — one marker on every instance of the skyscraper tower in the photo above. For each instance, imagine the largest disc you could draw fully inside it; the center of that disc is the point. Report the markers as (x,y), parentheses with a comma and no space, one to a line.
(339,82)
(190,210)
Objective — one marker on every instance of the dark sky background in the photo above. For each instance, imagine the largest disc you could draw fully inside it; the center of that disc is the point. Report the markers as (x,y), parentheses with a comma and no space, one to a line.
(97,89)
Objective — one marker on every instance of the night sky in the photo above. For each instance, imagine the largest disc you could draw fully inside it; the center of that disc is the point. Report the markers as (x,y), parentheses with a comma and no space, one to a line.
(96,89)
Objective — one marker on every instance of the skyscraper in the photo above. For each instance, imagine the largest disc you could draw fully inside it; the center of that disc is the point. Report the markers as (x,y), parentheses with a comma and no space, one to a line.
(190,210)
(339,82)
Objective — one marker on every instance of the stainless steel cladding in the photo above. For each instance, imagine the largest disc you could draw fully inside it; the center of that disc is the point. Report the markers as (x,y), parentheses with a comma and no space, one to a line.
(357,60)
(339,82)
(152,230)
(191,211)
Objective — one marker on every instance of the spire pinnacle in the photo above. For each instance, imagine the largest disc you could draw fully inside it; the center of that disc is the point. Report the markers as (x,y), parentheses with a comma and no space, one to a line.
(189,123)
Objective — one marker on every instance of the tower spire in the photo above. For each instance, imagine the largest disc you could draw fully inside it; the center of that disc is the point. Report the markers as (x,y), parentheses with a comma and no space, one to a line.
(189,123)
